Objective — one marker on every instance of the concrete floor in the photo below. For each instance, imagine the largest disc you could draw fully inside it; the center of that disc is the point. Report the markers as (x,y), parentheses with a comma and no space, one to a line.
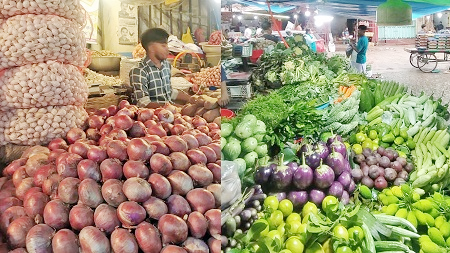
(391,62)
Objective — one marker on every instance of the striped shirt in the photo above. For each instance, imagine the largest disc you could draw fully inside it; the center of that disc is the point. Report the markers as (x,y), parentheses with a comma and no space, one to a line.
(151,84)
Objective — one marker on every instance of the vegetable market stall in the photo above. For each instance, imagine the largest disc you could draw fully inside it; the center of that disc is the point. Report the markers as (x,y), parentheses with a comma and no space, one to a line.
(330,161)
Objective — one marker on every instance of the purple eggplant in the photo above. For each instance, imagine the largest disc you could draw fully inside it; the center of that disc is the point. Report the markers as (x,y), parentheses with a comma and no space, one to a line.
(345,198)
(334,137)
(316,196)
(312,159)
(323,176)
(339,147)
(345,179)
(306,148)
(336,189)
(336,161)
(298,198)
(263,173)
(280,195)
(282,174)
(303,176)
(321,149)
(351,188)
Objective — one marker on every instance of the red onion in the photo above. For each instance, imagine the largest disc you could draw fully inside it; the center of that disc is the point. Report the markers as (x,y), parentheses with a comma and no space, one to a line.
(19,175)
(90,193)
(9,202)
(96,154)
(118,134)
(103,142)
(173,249)
(181,182)
(213,126)
(34,204)
(123,121)
(92,240)
(3,180)
(117,149)
(81,216)
(173,229)
(102,112)
(9,216)
(50,185)
(56,214)
(167,126)
(112,192)
(160,185)
(191,141)
(111,169)
(54,154)
(161,164)
(155,208)
(88,169)
(178,206)
(79,148)
(149,123)
(35,162)
(176,144)
(18,250)
(178,129)
(8,192)
(93,134)
(130,213)
(39,239)
(75,134)
(156,130)
(144,114)
(203,129)
(147,236)
(199,121)
(203,139)
(209,153)
(135,169)
(215,134)
(137,130)
(137,189)
(58,143)
(17,231)
(197,156)
(180,161)
(216,148)
(151,138)
(66,164)
(112,109)
(161,148)
(31,191)
(65,241)
(34,151)
(23,187)
(187,118)
(170,107)
(123,104)
(105,218)
(95,121)
(106,129)
(68,190)
(140,150)
(129,111)
(123,241)
(165,116)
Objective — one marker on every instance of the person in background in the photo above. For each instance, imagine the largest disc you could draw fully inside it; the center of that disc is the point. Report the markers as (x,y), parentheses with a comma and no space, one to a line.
(150,80)
(267,32)
(440,26)
(258,31)
(311,40)
(361,49)
(224,98)
(423,31)
(248,32)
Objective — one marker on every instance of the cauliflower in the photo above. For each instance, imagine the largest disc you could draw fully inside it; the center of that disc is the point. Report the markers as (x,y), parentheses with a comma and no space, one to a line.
(271,76)
(289,65)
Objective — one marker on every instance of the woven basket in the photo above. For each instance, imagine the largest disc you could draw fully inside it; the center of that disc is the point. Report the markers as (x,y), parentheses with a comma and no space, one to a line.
(104,102)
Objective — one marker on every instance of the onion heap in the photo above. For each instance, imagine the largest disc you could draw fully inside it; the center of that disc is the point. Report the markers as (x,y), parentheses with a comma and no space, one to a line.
(135,180)
(64,8)
(42,49)
(208,76)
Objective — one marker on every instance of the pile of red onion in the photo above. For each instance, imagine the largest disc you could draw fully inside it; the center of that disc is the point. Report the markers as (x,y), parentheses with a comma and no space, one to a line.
(135,180)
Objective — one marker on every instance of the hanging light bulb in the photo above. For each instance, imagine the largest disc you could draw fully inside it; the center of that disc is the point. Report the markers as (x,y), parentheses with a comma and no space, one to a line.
(307,13)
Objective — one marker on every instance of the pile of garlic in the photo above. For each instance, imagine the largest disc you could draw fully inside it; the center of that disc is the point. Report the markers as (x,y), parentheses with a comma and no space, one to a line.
(30,38)
(42,51)
(41,85)
(92,77)
(70,9)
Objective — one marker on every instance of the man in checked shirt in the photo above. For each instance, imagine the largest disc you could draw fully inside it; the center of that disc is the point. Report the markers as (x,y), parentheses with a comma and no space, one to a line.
(150,80)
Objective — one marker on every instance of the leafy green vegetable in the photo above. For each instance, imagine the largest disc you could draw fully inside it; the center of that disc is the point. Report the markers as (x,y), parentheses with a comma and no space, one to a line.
(232,150)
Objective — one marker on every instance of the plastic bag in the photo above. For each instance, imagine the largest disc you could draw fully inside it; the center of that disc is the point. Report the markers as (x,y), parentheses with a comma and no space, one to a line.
(187,38)
(349,51)
(231,184)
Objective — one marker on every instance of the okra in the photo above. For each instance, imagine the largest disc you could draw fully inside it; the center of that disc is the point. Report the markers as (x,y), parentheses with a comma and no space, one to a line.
(417,135)
(403,232)
(429,136)
(391,245)
(423,135)
(442,149)
(395,221)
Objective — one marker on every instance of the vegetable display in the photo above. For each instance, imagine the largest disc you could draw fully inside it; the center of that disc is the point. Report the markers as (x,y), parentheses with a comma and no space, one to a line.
(209,76)
(129,182)
(205,106)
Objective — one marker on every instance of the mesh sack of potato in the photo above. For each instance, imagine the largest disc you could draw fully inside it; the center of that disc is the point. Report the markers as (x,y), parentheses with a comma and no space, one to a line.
(30,38)
(38,126)
(42,85)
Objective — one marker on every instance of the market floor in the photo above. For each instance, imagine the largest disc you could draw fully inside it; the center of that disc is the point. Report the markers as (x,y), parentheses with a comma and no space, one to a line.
(391,62)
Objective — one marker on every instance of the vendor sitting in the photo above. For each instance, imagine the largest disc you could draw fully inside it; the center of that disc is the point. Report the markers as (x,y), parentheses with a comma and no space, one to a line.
(150,80)
(267,32)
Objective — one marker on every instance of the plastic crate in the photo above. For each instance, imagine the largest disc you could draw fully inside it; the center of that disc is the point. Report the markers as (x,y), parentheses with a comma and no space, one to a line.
(239,89)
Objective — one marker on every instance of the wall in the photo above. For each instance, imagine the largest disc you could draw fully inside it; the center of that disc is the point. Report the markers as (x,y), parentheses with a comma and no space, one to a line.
(445,19)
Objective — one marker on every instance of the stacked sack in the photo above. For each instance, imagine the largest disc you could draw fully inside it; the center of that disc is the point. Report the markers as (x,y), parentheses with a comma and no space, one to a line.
(42,88)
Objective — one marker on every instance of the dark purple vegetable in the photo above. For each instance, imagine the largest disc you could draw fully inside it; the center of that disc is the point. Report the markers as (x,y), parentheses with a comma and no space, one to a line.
(321,149)
(409,167)
(336,161)
(298,198)
(263,173)
(367,181)
(280,195)
(316,196)
(367,152)
(306,148)
(360,158)
(403,175)
(323,176)
(380,183)
(371,160)
(312,159)
(334,137)
(390,174)
(303,176)
(345,179)
(374,171)
(345,198)
(282,175)
(385,162)
(351,188)
(339,147)
(357,174)
(336,189)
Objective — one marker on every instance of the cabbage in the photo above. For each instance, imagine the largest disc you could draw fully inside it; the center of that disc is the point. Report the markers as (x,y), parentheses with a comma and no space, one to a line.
(233,138)
(226,129)
(261,150)
(223,142)
(250,159)
(249,119)
(249,144)
(242,165)
(259,137)
(243,130)
(260,127)
(232,150)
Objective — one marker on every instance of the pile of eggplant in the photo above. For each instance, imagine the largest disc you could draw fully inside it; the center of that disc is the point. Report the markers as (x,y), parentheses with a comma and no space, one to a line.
(324,169)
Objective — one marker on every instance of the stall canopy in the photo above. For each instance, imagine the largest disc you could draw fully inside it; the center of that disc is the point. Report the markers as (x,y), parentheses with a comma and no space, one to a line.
(364,9)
